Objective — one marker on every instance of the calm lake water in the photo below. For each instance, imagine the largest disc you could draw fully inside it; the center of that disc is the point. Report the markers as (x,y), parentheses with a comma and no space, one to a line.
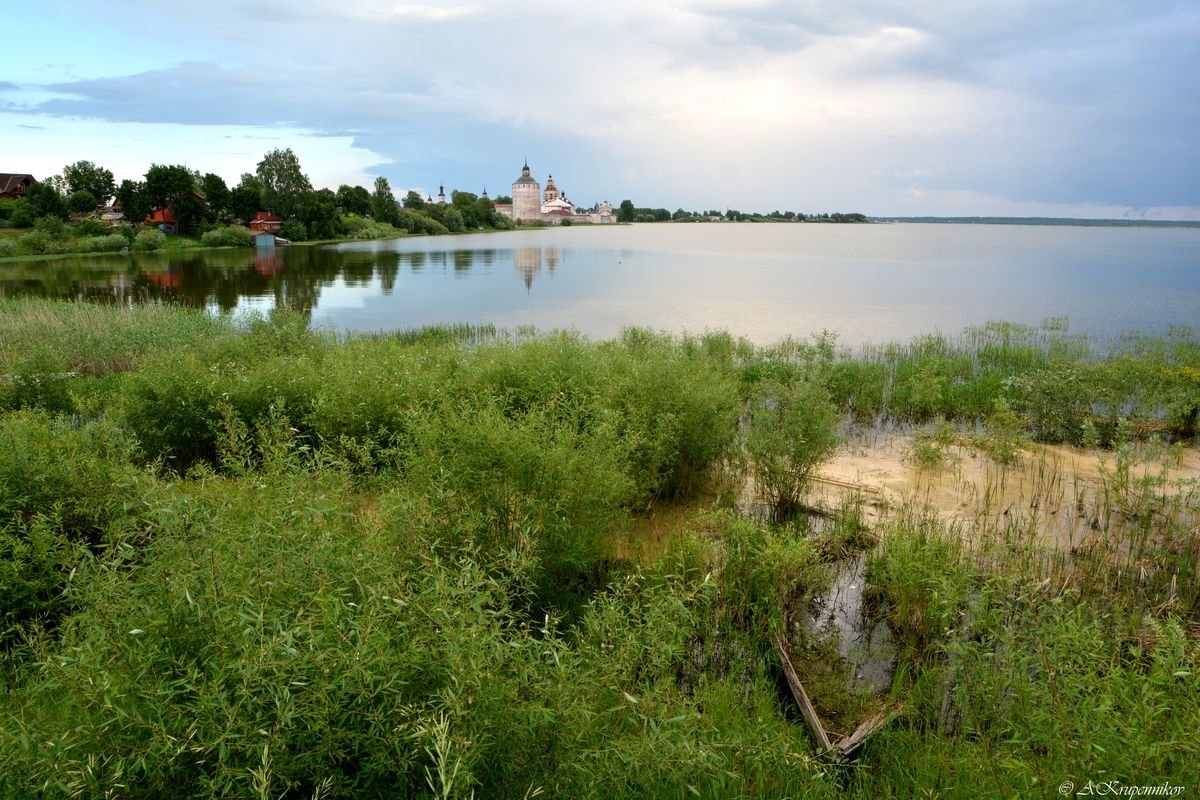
(868,283)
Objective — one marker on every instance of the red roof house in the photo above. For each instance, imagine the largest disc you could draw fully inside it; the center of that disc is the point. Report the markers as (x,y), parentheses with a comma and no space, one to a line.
(266,221)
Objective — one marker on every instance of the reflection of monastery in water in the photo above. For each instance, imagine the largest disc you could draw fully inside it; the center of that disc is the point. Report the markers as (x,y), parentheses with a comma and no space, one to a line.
(528,261)
(531,204)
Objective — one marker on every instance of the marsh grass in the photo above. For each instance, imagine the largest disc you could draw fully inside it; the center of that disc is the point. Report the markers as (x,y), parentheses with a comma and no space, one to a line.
(253,559)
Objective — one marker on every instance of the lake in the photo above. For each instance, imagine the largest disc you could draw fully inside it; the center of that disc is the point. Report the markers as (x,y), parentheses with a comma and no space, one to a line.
(868,283)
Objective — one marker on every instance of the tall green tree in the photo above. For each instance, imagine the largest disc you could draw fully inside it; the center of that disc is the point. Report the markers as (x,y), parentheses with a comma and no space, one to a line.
(246,197)
(43,200)
(216,195)
(85,176)
(383,203)
(283,182)
(318,212)
(626,212)
(354,200)
(134,200)
(414,201)
(465,204)
(81,202)
(174,187)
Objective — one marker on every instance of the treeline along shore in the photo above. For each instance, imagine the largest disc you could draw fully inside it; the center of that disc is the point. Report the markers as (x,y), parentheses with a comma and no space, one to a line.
(242,557)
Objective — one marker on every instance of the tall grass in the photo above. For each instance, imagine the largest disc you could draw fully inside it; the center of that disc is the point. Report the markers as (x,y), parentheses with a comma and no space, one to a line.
(241,557)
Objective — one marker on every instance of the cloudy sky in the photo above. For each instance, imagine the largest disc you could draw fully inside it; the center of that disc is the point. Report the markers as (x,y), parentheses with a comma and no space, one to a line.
(1008,107)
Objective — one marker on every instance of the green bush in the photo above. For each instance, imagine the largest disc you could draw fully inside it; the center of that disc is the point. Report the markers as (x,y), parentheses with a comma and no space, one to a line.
(793,429)
(293,230)
(149,240)
(61,487)
(91,227)
(109,243)
(8,248)
(227,236)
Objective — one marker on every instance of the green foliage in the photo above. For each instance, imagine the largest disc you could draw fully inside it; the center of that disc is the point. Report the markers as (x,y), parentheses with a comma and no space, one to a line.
(109,243)
(293,230)
(217,197)
(149,240)
(61,487)
(134,200)
(354,200)
(81,202)
(453,221)
(85,176)
(793,429)
(91,227)
(173,187)
(932,448)
(244,200)
(283,183)
(367,228)
(228,236)
(242,557)
(43,200)
(1004,436)
(383,203)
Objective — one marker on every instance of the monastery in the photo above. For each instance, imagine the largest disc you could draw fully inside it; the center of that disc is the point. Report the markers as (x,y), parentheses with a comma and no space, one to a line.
(531,204)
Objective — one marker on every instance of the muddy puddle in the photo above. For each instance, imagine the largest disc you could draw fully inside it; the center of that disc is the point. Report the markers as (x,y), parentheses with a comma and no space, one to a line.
(863,641)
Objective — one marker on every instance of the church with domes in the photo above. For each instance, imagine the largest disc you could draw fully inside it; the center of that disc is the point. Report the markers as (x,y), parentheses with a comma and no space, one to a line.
(530,204)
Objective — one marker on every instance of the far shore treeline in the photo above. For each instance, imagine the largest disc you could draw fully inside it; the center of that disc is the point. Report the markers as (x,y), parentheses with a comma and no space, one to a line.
(84,210)
(72,212)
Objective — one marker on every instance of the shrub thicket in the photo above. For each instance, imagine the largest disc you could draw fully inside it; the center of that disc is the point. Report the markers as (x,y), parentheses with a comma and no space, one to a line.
(240,557)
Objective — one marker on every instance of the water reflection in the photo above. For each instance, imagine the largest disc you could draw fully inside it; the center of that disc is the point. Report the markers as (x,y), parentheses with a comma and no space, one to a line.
(287,277)
(872,283)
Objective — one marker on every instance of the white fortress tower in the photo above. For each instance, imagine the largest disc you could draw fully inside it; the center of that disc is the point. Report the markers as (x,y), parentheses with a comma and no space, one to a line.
(527,197)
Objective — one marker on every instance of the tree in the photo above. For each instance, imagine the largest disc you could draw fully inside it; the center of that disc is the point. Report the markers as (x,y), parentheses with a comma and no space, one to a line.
(414,201)
(43,200)
(174,187)
(283,183)
(354,200)
(216,195)
(626,212)
(84,176)
(465,203)
(454,220)
(503,199)
(133,199)
(383,203)
(59,184)
(318,212)
(793,429)
(485,210)
(246,198)
(81,202)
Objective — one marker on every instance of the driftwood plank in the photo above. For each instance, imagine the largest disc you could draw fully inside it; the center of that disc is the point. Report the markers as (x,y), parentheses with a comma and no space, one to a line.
(847,745)
(806,706)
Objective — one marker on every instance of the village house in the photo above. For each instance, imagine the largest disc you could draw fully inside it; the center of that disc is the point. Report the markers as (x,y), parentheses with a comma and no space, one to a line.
(14,186)
(266,221)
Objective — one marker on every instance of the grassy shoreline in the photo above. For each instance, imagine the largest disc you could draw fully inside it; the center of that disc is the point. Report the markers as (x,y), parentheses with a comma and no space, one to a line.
(242,556)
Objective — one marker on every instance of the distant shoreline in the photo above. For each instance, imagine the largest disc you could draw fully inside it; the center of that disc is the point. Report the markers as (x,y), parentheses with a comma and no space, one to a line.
(1090,223)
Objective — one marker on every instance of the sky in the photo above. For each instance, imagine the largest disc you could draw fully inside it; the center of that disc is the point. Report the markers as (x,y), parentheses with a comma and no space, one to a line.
(1069,108)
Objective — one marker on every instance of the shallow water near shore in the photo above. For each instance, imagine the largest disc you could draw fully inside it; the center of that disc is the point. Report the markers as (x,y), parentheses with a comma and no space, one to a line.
(867,283)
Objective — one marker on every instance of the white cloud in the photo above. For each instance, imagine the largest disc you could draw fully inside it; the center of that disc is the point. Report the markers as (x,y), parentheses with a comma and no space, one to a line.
(754,103)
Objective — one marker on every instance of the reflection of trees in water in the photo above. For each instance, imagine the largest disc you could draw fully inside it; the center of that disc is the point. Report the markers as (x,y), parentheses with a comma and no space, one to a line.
(291,276)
